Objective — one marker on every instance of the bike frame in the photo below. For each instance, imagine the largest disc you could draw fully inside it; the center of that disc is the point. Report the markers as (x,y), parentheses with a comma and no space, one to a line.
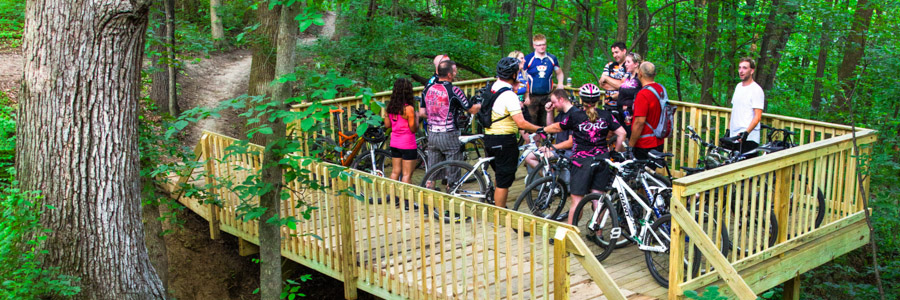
(623,190)
(479,166)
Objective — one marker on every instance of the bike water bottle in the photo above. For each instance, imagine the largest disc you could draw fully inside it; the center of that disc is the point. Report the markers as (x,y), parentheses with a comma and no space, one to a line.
(569,81)
(627,118)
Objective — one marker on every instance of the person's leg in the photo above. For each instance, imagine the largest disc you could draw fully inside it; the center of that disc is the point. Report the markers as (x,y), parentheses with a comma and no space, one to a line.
(505,152)
(434,153)
(450,147)
(408,167)
(395,163)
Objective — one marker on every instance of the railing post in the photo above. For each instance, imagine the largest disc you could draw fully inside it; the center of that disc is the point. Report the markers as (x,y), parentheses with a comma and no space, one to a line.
(783,201)
(560,266)
(214,231)
(676,250)
(348,251)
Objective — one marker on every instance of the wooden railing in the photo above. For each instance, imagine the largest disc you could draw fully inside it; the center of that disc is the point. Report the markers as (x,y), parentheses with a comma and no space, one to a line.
(762,213)
(387,242)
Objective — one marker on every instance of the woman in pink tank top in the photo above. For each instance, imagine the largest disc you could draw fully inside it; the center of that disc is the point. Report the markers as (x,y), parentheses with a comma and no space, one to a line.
(402,120)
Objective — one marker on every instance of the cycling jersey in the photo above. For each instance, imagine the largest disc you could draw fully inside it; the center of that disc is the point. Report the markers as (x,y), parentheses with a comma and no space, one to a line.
(589,138)
(541,72)
(616,71)
(443,102)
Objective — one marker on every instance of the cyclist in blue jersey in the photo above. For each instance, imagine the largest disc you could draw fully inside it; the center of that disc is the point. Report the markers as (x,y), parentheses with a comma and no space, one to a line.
(441,105)
(540,65)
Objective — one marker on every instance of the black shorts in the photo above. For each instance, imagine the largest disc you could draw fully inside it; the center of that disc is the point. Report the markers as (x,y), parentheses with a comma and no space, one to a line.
(505,151)
(644,153)
(586,178)
(405,154)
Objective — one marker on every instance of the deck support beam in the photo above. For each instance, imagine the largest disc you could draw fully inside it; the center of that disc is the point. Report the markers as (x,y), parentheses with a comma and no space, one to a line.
(560,265)
(792,289)
(348,253)
(214,231)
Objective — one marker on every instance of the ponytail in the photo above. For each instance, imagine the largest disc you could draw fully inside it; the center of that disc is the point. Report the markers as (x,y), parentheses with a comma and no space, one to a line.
(591,112)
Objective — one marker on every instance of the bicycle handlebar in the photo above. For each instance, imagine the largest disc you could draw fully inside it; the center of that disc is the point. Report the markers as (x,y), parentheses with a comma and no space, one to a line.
(785,131)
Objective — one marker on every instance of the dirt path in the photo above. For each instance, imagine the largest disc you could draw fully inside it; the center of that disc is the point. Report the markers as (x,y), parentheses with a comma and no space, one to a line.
(11,68)
(210,81)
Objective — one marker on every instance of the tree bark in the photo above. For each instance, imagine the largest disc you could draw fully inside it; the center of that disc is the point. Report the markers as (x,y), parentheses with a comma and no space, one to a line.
(262,64)
(159,77)
(373,8)
(270,233)
(78,142)
(709,52)
(170,51)
(676,62)
(218,32)
(822,61)
(622,20)
(697,52)
(853,51)
(531,20)
(153,229)
(775,38)
(641,46)
(573,42)
(505,8)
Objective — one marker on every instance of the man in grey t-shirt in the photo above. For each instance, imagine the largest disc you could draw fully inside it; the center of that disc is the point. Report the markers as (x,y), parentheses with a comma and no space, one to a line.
(747,106)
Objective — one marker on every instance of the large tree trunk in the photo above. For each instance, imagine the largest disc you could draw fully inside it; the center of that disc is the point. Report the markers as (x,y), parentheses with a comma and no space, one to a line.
(676,62)
(508,8)
(643,31)
(262,65)
(218,32)
(709,52)
(78,142)
(170,52)
(853,52)
(153,230)
(573,42)
(822,61)
(531,20)
(696,34)
(270,233)
(159,78)
(775,38)
(622,20)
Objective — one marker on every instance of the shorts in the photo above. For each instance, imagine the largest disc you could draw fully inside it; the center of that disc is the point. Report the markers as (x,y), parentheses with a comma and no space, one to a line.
(537,110)
(505,151)
(405,154)
(586,178)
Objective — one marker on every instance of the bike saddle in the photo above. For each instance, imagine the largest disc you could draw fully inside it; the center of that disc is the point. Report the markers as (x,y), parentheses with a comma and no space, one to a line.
(468,138)
(691,171)
(659,155)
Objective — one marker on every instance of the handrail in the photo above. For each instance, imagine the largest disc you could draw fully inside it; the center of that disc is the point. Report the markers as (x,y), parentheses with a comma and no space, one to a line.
(399,252)
(761,204)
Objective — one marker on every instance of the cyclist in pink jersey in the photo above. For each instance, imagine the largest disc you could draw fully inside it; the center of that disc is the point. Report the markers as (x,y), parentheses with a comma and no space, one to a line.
(402,120)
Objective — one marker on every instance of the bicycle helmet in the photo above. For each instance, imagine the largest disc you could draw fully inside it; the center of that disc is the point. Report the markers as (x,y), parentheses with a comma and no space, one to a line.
(507,68)
(589,93)
(374,135)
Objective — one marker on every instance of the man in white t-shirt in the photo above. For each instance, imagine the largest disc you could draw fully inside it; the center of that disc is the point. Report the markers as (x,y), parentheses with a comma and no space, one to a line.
(747,106)
(500,139)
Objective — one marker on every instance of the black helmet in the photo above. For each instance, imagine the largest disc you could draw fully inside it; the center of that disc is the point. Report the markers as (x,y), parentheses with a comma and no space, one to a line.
(507,68)
(374,135)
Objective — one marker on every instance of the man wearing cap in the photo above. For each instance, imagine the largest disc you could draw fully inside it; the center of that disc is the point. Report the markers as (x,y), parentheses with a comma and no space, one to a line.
(500,139)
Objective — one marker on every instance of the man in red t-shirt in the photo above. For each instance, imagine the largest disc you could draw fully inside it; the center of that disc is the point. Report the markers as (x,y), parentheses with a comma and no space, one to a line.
(646,112)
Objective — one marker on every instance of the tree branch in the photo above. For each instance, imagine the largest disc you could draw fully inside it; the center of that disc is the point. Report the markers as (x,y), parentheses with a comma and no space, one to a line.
(556,12)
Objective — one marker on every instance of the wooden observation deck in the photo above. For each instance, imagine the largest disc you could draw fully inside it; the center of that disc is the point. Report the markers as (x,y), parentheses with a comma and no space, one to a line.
(383,245)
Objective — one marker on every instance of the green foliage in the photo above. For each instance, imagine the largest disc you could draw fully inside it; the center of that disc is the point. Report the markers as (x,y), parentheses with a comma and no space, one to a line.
(712,293)
(12,21)
(7,141)
(22,276)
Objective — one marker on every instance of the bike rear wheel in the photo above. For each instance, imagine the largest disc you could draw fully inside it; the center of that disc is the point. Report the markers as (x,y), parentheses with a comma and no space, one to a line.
(545,197)
(598,226)
(380,166)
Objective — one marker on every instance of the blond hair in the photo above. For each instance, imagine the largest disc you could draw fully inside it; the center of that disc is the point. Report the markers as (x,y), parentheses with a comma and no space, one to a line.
(539,37)
(515,54)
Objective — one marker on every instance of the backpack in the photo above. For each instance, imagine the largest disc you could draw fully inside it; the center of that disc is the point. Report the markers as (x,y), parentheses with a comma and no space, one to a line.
(487,105)
(666,116)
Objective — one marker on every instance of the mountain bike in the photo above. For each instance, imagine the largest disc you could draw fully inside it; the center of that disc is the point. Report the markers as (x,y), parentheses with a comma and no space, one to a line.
(546,197)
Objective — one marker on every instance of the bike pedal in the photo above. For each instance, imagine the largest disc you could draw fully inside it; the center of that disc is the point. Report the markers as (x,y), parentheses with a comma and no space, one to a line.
(615,233)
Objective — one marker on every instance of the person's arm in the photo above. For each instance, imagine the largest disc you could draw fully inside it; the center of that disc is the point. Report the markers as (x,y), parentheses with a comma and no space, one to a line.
(387,121)
(553,128)
(757,116)
(410,115)
(567,144)
(549,108)
(559,78)
(522,124)
(611,83)
(475,108)
(636,128)
(422,113)
(620,138)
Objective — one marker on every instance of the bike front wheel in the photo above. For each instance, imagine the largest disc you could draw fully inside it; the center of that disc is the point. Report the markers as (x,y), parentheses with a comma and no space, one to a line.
(597,220)
(545,197)
(457,178)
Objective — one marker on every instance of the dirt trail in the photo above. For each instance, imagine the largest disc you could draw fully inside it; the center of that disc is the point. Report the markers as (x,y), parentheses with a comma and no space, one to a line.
(210,81)
(11,68)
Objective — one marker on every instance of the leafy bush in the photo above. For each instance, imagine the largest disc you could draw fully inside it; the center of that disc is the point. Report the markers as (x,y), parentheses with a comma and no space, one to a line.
(7,141)
(12,21)
(21,274)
